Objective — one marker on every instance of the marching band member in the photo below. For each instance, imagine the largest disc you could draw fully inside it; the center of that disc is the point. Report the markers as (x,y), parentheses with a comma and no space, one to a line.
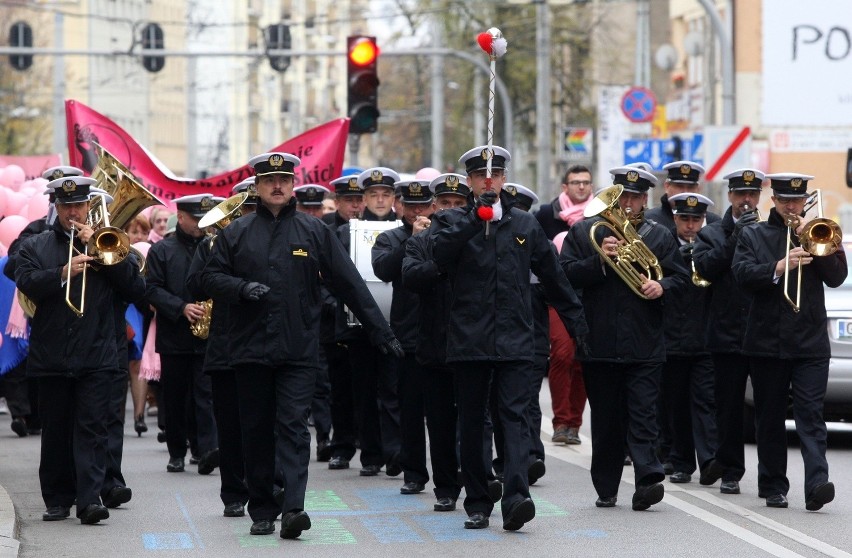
(490,325)
(309,199)
(350,201)
(181,352)
(266,267)
(74,357)
(682,177)
(787,347)
(625,351)
(727,313)
(688,372)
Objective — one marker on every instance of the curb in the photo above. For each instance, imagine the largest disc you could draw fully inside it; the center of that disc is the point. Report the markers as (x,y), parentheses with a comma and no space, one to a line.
(8,527)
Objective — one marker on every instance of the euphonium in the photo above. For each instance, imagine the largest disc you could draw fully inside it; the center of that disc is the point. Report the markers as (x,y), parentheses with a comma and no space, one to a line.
(201,328)
(634,258)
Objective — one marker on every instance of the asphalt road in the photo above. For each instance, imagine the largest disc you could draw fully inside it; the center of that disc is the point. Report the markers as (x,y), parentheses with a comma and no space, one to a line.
(179,514)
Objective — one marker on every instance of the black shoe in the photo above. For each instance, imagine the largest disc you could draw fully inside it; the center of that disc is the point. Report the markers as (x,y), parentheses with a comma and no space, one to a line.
(161,437)
(520,513)
(393,468)
(194,459)
(33,431)
(19,427)
(139,425)
(776,501)
(412,488)
(606,502)
(445,504)
(535,471)
(820,496)
(476,520)
(324,450)
(370,470)
(668,468)
(729,487)
(262,527)
(711,473)
(208,462)
(647,496)
(293,523)
(495,490)
(337,463)
(93,513)
(234,509)
(679,477)
(56,513)
(175,465)
(116,496)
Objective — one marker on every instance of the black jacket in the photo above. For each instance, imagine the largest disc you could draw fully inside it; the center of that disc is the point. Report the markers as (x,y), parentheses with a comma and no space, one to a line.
(33,228)
(387,255)
(728,307)
(287,253)
(548,217)
(168,266)
(421,275)
(61,344)
(333,220)
(662,215)
(491,318)
(685,318)
(624,327)
(216,352)
(773,329)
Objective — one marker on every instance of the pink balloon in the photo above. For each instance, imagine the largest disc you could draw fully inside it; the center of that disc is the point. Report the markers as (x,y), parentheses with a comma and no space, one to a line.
(142,247)
(3,251)
(4,192)
(11,227)
(15,201)
(427,173)
(36,208)
(39,183)
(13,176)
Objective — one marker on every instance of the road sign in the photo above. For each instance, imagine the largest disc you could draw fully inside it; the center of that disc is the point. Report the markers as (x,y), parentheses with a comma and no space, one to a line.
(658,152)
(577,143)
(638,104)
(727,149)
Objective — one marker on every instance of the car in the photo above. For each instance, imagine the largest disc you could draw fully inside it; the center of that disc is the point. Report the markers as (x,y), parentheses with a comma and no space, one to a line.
(838,394)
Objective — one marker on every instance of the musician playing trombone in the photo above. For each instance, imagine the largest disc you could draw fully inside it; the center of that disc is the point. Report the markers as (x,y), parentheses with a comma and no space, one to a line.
(625,352)
(788,349)
(73,350)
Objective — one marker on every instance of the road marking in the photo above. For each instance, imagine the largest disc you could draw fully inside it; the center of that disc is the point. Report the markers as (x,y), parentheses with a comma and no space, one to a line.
(447,527)
(192,528)
(390,529)
(167,541)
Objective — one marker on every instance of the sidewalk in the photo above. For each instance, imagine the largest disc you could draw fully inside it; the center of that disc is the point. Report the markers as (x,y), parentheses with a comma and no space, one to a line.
(8,527)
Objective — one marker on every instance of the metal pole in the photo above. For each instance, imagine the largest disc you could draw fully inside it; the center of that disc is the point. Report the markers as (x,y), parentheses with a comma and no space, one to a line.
(726,49)
(543,99)
(191,118)
(643,48)
(59,136)
(437,97)
(478,110)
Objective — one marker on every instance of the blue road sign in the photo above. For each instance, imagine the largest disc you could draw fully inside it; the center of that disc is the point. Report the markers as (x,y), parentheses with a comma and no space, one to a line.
(658,152)
(638,104)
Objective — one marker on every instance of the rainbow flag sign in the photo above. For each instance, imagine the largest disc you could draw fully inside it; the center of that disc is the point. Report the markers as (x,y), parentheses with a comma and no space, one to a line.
(577,143)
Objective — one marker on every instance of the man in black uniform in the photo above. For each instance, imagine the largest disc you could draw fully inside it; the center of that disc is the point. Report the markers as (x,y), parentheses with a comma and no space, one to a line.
(420,274)
(387,255)
(181,353)
(727,313)
(73,356)
(267,268)
(625,352)
(688,371)
(682,177)
(488,250)
(787,348)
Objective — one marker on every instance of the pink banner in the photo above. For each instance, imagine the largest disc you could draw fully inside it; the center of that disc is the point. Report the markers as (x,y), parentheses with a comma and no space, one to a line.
(33,165)
(321,150)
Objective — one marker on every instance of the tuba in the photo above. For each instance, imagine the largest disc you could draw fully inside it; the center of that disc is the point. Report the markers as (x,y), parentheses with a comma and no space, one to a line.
(634,258)
(220,217)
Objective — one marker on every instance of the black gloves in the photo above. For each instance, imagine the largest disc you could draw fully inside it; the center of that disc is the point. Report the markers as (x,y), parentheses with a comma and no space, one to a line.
(392,347)
(253,291)
(686,251)
(486,199)
(745,220)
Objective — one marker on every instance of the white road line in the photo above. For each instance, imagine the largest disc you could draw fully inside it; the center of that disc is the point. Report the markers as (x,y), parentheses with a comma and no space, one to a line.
(580,455)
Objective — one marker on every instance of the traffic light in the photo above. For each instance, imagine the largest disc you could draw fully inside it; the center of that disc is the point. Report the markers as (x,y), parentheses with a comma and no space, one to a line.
(21,35)
(278,38)
(152,39)
(849,168)
(363,84)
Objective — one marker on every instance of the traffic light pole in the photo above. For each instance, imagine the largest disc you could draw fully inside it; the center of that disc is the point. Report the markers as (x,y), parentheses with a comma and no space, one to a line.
(502,92)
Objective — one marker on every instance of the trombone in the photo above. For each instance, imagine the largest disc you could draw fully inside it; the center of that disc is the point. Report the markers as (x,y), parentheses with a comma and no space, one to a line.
(819,237)
(71,249)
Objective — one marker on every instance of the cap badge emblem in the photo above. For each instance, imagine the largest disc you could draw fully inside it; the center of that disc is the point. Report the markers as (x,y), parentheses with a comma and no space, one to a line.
(511,189)
(685,170)
(376,176)
(353,183)
(452,182)
(796,183)
(748,176)
(415,189)
(486,154)
(632,176)
(692,201)
(69,186)
(276,160)
(207,203)
(57,174)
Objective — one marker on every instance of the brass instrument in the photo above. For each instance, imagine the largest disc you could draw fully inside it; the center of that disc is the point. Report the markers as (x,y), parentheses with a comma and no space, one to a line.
(819,237)
(220,217)
(77,309)
(697,280)
(634,258)
(747,209)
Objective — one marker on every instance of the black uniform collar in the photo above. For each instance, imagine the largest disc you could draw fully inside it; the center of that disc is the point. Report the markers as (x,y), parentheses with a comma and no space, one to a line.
(287,211)
(60,232)
(370,216)
(664,205)
(506,200)
(775,219)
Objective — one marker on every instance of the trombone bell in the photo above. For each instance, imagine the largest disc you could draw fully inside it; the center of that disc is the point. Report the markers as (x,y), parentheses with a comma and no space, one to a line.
(225,212)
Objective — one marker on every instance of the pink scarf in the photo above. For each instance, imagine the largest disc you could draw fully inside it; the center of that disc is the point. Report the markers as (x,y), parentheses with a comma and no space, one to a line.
(153,237)
(150,367)
(571,212)
(16,327)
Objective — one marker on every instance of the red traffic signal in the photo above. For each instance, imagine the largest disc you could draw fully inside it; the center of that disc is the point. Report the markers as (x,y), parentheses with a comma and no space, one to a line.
(362,56)
(363,51)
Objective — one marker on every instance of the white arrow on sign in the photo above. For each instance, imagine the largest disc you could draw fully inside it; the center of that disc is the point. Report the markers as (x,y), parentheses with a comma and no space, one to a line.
(656,156)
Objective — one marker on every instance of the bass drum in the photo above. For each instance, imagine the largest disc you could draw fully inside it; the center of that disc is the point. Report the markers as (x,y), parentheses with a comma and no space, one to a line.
(362,237)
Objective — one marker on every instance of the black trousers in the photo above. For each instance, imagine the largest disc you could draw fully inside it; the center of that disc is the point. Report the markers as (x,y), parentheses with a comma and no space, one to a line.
(441,416)
(226,409)
(321,404)
(512,381)
(273,405)
(343,422)
(773,381)
(731,373)
(74,438)
(21,394)
(185,384)
(689,382)
(374,377)
(412,412)
(115,430)
(622,398)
